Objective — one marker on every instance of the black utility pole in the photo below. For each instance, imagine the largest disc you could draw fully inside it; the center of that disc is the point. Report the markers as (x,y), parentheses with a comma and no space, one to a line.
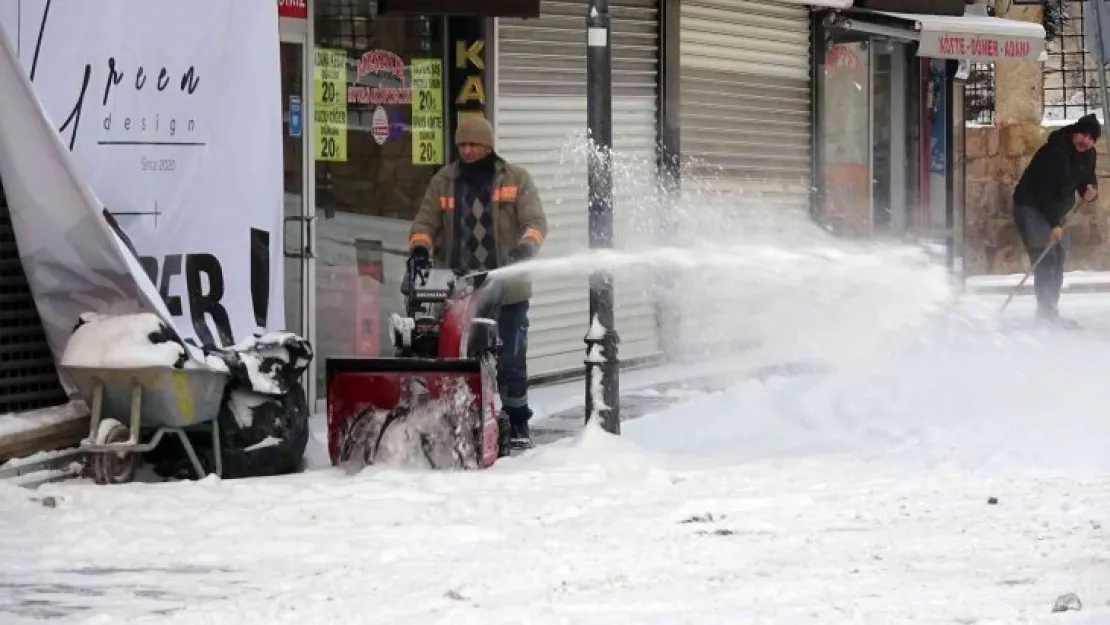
(602,365)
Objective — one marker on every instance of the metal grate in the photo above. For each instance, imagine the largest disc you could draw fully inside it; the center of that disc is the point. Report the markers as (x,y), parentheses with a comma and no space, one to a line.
(28,379)
(979,95)
(1070,74)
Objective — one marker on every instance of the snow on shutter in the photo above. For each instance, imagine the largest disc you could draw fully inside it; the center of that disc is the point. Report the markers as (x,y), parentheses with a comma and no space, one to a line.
(745,135)
(540,105)
(745,92)
(28,379)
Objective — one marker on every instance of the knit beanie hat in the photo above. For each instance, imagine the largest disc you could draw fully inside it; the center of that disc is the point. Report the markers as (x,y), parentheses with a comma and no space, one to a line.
(1088,125)
(474,128)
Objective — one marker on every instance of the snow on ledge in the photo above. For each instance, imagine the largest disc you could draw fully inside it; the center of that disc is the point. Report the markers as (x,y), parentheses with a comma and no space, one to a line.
(13,424)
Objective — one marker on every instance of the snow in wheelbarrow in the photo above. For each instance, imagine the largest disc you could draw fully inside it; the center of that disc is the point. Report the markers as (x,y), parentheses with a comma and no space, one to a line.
(236,412)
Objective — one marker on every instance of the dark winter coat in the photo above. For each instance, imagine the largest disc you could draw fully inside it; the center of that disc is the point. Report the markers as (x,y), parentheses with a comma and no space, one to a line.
(1055,175)
(518,216)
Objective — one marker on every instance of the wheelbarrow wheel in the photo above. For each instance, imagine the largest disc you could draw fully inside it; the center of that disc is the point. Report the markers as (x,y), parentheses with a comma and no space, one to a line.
(115,467)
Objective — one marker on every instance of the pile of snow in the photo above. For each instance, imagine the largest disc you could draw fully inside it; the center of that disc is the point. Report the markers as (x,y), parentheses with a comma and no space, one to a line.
(121,342)
(421,431)
(967,390)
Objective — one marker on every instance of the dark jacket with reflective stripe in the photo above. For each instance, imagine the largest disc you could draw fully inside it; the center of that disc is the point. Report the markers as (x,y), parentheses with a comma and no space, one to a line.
(517,217)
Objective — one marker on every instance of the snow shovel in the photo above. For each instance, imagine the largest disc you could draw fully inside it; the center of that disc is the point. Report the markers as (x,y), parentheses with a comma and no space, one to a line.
(1017,288)
(1037,263)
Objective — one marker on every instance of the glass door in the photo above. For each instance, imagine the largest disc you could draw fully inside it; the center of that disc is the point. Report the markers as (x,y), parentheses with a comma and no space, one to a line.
(846,140)
(297,233)
(372,161)
(889,132)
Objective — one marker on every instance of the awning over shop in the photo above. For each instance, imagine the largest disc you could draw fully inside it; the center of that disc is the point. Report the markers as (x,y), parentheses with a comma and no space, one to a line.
(974,37)
(824,4)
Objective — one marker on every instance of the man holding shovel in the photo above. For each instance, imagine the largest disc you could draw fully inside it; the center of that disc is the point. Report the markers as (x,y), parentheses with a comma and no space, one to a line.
(1061,168)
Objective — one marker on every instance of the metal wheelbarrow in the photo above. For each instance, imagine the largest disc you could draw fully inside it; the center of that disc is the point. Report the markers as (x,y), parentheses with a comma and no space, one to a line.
(128,404)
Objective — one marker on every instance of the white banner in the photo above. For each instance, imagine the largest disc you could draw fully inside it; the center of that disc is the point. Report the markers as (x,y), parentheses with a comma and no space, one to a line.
(172,112)
(73,261)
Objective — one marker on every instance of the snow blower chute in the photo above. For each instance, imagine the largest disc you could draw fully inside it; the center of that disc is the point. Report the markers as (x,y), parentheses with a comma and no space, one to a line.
(431,404)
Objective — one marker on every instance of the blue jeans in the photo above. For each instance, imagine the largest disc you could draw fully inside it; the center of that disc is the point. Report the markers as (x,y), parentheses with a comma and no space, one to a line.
(512,363)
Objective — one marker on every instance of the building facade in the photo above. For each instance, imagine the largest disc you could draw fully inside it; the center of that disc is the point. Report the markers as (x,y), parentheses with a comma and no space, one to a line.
(1020,103)
(798,103)
(739,68)
(891,117)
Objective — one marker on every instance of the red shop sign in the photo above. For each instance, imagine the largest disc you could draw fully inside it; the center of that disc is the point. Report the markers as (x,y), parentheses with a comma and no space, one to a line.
(293,8)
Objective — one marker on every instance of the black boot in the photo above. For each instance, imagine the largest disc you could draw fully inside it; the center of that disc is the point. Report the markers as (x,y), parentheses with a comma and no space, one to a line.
(504,435)
(520,433)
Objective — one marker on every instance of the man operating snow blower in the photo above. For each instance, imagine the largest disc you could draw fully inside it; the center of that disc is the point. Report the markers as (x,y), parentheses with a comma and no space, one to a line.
(478,214)
(1061,168)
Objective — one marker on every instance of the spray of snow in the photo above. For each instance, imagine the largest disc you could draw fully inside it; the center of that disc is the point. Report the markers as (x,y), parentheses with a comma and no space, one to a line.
(740,269)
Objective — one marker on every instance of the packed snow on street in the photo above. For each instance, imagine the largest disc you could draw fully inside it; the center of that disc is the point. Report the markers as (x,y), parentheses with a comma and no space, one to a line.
(960,476)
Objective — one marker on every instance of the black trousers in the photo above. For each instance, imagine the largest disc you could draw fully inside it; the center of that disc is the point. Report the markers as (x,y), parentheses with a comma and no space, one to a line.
(1048,278)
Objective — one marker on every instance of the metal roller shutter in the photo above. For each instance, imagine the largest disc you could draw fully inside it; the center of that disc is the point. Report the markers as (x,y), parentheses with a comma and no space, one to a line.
(745,91)
(28,379)
(540,105)
(746,136)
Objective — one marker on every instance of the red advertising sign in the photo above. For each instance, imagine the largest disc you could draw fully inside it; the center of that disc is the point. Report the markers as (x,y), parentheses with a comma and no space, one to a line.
(293,8)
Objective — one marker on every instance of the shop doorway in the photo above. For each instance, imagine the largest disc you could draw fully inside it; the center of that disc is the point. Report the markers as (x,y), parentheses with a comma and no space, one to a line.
(890,162)
(870,137)
(372,162)
(298,212)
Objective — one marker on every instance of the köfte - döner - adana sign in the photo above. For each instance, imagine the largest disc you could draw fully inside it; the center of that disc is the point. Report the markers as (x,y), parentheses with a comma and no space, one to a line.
(171,111)
(949,45)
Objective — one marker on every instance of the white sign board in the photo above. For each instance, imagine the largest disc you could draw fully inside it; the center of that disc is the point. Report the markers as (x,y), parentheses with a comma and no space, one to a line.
(987,48)
(171,111)
(73,260)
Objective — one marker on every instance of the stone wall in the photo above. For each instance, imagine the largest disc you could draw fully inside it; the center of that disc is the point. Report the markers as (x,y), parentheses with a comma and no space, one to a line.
(996,157)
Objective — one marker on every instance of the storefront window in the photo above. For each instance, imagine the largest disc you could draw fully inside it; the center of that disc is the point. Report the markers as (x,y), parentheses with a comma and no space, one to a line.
(371,167)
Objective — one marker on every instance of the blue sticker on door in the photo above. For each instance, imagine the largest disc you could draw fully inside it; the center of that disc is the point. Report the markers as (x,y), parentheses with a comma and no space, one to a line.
(295,116)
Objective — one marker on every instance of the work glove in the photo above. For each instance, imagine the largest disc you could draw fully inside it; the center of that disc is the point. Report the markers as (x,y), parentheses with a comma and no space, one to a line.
(419,259)
(522,252)
(417,268)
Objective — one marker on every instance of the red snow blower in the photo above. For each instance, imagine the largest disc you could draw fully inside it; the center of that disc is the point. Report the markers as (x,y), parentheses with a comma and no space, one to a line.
(432,404)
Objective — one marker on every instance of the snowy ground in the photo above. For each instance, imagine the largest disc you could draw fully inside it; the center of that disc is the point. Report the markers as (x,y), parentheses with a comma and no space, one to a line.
(858,496)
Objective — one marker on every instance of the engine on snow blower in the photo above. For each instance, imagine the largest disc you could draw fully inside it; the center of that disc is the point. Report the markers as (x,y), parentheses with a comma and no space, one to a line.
(431,404)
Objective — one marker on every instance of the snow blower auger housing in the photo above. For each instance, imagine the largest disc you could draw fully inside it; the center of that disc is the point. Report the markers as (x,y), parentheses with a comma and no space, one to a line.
(432,404)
